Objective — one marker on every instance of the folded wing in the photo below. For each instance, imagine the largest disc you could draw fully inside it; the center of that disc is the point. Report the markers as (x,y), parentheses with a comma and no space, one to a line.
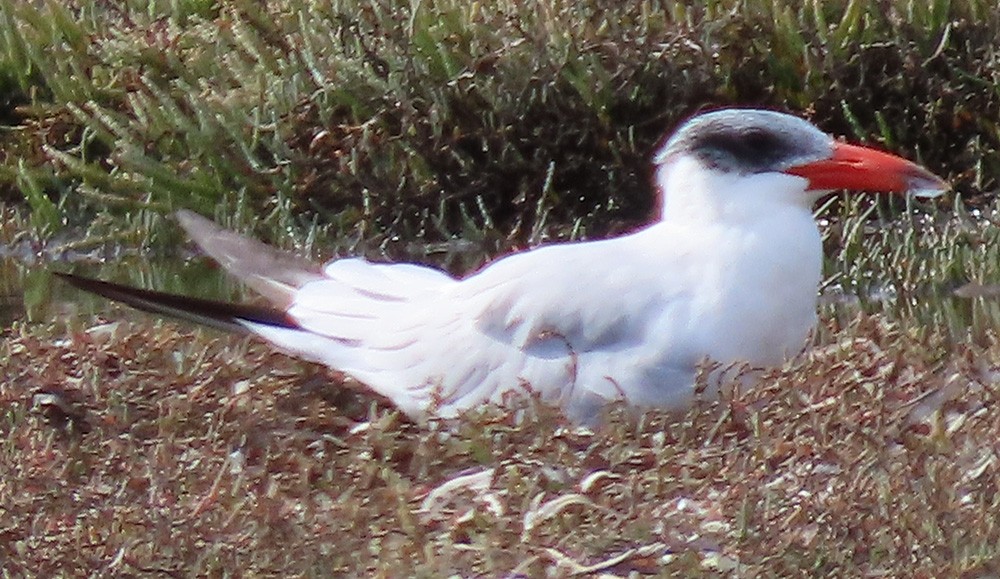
(435,345)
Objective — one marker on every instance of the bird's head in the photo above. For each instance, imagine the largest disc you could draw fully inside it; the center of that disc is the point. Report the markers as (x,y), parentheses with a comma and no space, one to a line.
(748,157)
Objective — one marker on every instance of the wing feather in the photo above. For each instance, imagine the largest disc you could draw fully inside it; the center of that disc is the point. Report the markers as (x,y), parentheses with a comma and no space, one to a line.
(544,320)
(277,275)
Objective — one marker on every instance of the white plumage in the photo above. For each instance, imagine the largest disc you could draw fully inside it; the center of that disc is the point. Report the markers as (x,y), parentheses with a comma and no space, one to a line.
(728,273)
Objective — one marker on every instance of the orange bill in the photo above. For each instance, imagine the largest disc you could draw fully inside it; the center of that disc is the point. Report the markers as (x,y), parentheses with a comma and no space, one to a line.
(865,169)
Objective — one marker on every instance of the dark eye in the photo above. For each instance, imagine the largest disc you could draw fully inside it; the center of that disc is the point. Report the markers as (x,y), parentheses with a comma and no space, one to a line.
(749,151)
(759,141)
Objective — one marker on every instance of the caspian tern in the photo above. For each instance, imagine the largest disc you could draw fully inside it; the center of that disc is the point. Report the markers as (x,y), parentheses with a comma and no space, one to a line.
(728,273)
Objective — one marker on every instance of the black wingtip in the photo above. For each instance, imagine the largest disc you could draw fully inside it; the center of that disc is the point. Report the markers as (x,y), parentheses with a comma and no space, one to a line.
(218,314)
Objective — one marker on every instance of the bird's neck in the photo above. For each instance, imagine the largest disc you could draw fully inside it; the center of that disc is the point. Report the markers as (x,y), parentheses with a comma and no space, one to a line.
(751,252)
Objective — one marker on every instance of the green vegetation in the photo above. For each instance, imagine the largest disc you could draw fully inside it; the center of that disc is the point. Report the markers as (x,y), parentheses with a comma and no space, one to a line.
(402,129)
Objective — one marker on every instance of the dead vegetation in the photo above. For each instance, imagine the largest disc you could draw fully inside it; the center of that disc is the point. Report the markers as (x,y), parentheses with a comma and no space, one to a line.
(149,449)
(504,123)
(144,448)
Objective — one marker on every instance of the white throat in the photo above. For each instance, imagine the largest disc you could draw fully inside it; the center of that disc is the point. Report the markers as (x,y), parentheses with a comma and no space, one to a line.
(690,191)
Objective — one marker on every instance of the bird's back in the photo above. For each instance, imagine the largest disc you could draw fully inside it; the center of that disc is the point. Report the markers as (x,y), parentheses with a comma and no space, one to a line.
(570,322)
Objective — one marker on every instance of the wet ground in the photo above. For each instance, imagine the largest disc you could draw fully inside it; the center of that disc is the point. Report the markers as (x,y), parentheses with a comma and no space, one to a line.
(29,292)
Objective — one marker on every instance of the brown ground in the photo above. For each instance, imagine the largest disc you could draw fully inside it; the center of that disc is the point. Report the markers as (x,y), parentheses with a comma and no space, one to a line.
(148,448)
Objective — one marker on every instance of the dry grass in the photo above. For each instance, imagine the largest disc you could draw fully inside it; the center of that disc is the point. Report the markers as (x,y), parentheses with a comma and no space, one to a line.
(148,449)
(145,448)
(431,120)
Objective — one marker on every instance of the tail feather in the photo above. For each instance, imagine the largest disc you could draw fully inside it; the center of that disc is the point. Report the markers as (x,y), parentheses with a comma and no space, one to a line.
(217,314)
(273,273)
